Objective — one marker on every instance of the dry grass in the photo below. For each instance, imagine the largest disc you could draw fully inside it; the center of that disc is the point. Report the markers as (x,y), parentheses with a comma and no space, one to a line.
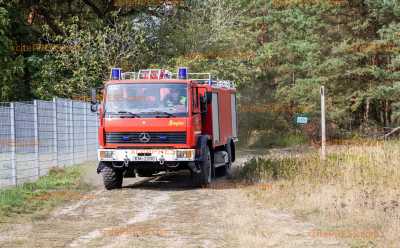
(353,195)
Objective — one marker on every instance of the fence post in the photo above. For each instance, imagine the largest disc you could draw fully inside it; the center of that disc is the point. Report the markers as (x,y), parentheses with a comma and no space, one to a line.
(97,121)
(71,119)
(85,130)
(36,136)
(55,136)
(12,134)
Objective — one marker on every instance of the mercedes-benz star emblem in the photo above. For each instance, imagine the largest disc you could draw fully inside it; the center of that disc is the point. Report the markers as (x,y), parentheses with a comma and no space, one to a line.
(144,137)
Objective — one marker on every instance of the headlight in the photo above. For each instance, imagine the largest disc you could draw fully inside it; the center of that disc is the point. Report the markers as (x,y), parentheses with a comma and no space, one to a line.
(184,154)
(106,155)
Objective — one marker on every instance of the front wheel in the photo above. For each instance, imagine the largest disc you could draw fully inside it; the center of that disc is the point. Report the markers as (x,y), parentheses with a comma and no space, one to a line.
(203,178)
(112,178)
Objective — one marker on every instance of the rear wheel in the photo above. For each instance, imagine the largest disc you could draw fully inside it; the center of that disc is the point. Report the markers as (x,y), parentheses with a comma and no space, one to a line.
(203,178)
(112,178)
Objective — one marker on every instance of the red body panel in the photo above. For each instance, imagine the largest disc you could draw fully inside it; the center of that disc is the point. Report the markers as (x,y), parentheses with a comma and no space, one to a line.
(225,114)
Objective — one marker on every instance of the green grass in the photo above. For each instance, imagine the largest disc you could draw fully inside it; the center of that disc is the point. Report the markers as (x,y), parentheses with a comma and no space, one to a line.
(48,191)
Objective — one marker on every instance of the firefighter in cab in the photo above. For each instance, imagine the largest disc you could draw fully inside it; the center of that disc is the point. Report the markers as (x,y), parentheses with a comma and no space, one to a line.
(175,97)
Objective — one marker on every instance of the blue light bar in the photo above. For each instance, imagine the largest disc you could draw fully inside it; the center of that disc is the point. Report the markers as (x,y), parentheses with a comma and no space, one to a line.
(182,72)
(116,73)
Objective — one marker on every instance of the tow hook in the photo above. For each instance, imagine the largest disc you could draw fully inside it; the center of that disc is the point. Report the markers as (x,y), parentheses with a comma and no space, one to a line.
(126,162)
(162,160)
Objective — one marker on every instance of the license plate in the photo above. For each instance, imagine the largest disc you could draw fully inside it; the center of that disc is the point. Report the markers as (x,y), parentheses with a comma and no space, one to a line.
(145,158)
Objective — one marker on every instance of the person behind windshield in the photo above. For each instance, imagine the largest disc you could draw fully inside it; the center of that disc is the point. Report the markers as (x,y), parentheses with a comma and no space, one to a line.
(175,97)
(115,100)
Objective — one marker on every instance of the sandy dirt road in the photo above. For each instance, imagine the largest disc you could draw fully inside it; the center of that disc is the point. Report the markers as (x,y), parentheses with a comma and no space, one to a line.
(164,212)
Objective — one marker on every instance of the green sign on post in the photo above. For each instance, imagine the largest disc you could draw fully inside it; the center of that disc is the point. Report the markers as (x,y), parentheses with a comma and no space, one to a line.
(301,119)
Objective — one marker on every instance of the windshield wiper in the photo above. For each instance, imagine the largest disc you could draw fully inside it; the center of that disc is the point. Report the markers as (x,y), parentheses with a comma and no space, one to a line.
(125,114)
(159,113)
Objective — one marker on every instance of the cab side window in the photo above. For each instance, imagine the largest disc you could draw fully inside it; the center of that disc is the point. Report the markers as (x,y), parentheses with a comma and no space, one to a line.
(195,102)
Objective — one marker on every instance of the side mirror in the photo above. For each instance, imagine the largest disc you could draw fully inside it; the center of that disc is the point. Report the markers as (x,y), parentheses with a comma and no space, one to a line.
(93,100)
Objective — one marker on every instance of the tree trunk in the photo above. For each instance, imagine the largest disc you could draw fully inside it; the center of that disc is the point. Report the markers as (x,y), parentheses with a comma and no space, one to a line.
(382,113)
(366,113)
(387,121)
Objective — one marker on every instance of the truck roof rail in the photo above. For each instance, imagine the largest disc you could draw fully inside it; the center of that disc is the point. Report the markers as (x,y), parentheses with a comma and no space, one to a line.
(202,78)
(208,79)
(129,75)
(223,84)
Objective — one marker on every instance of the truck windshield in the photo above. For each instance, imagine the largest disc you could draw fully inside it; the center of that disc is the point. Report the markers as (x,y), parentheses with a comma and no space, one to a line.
(146,100)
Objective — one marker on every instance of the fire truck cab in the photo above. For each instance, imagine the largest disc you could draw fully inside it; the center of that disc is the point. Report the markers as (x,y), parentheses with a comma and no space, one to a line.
(154,120)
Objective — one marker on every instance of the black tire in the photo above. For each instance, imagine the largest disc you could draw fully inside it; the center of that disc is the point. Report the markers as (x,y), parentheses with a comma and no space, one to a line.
(204,177)
(112,178)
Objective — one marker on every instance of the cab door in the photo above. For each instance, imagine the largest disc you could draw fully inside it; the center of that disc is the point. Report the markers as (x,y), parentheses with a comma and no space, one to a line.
(196,113)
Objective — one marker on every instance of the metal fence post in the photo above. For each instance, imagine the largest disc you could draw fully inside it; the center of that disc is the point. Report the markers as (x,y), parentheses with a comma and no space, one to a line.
(12,134)
(55,136)
(36,136)
(85,130)
(96,130)
(71,119)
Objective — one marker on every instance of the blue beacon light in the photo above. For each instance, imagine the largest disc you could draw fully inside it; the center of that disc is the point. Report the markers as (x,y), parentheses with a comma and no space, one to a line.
(116,73)
(182,72)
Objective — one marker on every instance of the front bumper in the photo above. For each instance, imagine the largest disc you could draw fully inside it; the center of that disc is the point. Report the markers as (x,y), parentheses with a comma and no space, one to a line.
(146,155)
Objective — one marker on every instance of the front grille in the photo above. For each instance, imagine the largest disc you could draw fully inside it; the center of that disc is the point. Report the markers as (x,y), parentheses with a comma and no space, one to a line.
(141,138)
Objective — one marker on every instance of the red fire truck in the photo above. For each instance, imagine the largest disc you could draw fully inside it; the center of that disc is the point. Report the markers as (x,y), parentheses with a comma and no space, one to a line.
(154,120)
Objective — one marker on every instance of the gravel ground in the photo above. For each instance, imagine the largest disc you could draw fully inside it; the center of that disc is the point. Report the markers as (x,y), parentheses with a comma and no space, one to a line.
(163,211)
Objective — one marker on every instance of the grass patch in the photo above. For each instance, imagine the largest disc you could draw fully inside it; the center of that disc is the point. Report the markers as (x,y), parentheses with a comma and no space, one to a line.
(269,139)
(259,169)
(58,186)
(356,189)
